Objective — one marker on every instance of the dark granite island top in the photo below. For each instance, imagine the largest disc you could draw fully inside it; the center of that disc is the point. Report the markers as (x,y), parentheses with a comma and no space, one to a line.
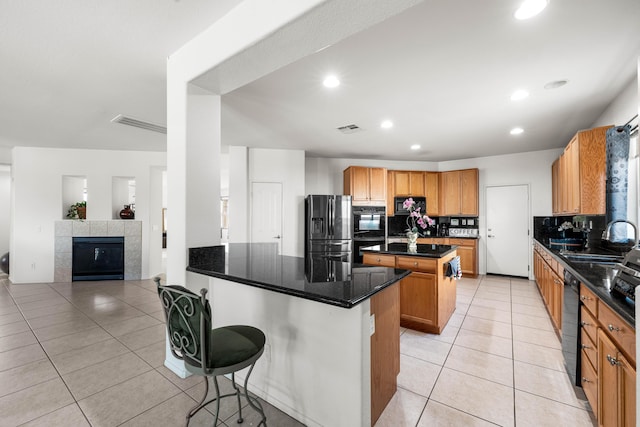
(428,251)
(259,264)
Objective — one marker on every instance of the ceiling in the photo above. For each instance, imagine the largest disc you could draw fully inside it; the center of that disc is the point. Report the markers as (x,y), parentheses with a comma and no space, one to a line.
(443,71)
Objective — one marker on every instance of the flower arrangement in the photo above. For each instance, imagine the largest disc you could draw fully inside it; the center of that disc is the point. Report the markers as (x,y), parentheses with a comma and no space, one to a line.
(416,218)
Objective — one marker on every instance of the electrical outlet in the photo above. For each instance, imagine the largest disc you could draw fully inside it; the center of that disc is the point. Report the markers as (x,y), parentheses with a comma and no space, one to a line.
(372,324)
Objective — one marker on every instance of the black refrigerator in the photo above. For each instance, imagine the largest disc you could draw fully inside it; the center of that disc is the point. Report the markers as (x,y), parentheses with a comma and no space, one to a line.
(328,228)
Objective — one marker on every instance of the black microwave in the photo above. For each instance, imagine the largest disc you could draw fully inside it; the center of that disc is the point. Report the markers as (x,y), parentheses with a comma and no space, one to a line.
(420,202)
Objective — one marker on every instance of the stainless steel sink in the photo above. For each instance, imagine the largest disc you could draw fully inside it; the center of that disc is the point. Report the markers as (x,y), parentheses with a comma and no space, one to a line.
(593,258)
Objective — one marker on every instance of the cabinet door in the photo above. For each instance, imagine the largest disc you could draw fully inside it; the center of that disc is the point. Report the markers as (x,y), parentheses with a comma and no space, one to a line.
(359,184)
(401,185)
(416,184)
(378,185)
(391,193)
(555,187)
(431,189)
(556,298)
(627,392)
(607,382)
(469,192)
(418,298)
(450,193)
(573,175)
(563,187)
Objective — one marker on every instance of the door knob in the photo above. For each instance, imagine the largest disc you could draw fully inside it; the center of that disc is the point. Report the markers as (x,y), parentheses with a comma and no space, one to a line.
(491,235)
(276,237)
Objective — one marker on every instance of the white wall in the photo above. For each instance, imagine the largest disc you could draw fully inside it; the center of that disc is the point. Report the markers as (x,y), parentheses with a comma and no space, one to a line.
(5,155)
(5,205)
(286,167)
(37,195)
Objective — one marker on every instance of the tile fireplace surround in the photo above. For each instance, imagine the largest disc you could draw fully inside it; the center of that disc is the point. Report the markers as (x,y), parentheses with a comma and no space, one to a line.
(66,230)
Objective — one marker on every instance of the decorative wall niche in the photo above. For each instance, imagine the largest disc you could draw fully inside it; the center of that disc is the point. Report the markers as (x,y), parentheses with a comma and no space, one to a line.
(123,192)
(74,190)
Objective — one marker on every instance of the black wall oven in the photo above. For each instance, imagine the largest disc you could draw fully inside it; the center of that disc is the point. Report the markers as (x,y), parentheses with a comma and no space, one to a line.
(369,228)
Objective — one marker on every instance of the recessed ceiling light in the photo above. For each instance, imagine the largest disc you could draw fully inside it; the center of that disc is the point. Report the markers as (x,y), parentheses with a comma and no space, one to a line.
(519,94)
(415,147)
(556,84)
(386,124)
(530,8)
(331,81)
(516,131)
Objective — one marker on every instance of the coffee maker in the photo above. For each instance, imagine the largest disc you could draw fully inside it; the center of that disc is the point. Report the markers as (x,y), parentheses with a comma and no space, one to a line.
(443,230)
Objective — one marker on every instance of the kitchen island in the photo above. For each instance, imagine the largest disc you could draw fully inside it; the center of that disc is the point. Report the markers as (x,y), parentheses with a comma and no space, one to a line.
(332,352)
(427,296)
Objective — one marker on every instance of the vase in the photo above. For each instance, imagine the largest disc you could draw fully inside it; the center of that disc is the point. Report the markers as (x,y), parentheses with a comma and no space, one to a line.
(412,242)
(127,213)
(82,212)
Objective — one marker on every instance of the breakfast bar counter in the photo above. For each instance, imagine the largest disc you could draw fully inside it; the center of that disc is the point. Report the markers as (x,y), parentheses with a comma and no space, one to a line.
(333,328)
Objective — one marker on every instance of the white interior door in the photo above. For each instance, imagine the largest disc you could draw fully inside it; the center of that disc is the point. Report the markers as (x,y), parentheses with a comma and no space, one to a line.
(266,212)
(508,230)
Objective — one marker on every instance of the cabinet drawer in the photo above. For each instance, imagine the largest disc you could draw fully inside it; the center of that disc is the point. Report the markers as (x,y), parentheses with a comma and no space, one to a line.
(462,242)
(417,264)
(589,324)
(620,332)
(379,259)
(589,381)
(589,299)
(589,348)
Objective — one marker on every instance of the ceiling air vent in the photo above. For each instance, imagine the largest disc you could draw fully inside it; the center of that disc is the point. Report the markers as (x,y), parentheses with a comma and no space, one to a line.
(349,129)
(130,121)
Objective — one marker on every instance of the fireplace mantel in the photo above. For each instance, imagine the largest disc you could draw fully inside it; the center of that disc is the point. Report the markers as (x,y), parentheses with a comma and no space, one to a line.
(66,230)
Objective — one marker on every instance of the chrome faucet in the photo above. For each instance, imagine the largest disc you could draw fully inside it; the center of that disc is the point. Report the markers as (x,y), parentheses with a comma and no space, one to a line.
(606,235)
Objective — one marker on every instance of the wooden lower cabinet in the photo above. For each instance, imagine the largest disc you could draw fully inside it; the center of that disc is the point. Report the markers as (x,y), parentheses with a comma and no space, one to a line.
(385,348)
(467,249)
(427,297)
(616,386)
(549,279)
(418,299)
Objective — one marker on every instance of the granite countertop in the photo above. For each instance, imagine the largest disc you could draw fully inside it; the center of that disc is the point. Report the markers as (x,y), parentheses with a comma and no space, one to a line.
(428,251)
(598,278)
(337,283)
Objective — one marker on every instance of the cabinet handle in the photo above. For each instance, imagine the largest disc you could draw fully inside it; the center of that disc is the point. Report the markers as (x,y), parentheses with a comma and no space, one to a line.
(584,297)
(584,346)
(583,324)
(612,360)
(584,380)
(613,328)
(556,281)
(415,264)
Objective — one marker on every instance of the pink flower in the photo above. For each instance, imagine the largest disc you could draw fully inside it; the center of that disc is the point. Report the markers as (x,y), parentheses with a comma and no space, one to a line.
(408,203)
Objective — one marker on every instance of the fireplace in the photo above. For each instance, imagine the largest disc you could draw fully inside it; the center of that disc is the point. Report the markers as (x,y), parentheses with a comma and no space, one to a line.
(98,258)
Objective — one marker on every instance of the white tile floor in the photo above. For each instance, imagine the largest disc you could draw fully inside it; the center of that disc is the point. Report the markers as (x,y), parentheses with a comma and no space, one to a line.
(92,353)
(498,362)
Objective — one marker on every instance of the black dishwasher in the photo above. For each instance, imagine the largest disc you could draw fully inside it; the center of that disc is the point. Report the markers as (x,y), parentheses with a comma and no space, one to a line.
(570,327)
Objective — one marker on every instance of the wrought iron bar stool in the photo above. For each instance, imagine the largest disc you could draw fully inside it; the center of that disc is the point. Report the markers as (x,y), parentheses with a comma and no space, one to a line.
(206,351)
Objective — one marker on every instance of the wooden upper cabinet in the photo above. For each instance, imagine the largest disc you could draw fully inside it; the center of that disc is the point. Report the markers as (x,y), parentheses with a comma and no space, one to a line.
(555,190)
(367,186)
(469,191)
(459,192)
(409,183)
(580,179)
(432,192)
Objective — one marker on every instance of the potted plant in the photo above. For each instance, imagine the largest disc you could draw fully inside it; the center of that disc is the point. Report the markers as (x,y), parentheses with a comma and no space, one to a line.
(77,211)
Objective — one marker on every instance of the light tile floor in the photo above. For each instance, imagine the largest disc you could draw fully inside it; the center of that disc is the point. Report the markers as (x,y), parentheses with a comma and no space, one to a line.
(92,353)
(498,362)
